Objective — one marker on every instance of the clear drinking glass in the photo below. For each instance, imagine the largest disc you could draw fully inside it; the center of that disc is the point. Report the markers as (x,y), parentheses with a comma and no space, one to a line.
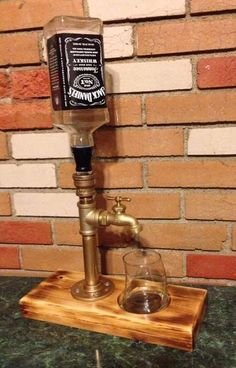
(145,282)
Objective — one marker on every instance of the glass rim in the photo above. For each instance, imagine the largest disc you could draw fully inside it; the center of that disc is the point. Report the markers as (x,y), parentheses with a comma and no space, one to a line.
(141,250)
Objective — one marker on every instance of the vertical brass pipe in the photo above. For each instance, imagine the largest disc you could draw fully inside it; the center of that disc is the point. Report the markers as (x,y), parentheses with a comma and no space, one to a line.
(90,261)
(94,286)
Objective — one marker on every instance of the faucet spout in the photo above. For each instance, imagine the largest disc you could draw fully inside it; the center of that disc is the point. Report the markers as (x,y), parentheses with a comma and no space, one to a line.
(107,218)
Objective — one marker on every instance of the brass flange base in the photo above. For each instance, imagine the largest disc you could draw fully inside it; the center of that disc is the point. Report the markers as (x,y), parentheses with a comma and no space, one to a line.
(81,291)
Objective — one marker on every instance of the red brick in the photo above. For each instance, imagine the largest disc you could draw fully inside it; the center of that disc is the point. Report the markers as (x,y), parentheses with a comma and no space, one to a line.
(108,175)
(139,142)
(215,205)
(189,36)
(211,266)
(125,110)
(19,48)
(52,258)
(30,83)
(9,258)
(192,173)
(113,262)
(173,263)
(4,85)
(35,13)
(191,108)
(217,72)
(25,232)
(65,172)
(208,6)
(3,147)
(234,238)
(115,237)
(147,205)
(7,117)
(67,233)
(5,204)
(119,174)
(184,236)
(26,115)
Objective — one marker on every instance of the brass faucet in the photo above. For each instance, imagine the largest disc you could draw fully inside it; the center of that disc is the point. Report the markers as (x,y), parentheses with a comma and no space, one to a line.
(116,217)
(94,286)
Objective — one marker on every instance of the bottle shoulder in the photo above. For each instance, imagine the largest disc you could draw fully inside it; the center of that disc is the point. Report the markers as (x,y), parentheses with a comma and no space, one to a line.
(60,24)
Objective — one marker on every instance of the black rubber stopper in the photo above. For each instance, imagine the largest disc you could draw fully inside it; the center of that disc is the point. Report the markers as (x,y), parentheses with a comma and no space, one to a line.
(83,157)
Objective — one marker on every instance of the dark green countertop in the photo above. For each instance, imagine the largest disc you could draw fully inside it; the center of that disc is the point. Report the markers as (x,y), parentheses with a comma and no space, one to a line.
(30,344)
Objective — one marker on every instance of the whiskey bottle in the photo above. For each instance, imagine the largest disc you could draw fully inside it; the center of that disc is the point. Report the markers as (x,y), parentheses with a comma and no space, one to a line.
(76,70)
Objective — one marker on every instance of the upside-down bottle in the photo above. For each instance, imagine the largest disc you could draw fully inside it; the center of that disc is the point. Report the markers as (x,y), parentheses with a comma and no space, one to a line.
(76,70)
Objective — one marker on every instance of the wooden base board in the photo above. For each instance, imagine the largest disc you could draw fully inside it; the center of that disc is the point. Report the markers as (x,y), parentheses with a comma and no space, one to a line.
(175,326)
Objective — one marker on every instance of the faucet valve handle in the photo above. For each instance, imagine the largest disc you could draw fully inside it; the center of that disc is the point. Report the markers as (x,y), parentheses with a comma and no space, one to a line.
(119,207)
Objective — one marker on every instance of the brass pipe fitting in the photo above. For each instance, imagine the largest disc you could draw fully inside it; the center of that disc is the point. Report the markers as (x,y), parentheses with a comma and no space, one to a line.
(94,286)
(118,216)
(106,218)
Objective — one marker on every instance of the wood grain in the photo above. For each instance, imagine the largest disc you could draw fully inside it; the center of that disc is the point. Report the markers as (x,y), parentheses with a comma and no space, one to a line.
(175,326)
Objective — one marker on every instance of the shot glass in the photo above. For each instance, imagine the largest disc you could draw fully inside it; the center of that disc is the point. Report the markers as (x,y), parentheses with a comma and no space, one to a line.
(145,282)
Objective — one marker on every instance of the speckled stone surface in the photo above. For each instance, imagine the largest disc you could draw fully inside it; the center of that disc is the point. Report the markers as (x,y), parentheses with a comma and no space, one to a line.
(33,344)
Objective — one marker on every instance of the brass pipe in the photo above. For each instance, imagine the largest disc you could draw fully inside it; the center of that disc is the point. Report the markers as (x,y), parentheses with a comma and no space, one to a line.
(90,261)
(94,286)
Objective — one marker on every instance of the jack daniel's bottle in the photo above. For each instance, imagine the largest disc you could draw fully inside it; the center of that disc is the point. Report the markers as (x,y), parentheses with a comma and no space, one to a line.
(75,61)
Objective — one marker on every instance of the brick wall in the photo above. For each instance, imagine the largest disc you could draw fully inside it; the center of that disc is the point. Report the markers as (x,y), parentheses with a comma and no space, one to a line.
(170,144)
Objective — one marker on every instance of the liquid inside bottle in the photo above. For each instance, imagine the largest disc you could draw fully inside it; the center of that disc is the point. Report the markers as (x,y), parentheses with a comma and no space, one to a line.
(83,158)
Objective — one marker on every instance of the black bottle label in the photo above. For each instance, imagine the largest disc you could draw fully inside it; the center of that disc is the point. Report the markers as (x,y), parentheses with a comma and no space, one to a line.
(76,71)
